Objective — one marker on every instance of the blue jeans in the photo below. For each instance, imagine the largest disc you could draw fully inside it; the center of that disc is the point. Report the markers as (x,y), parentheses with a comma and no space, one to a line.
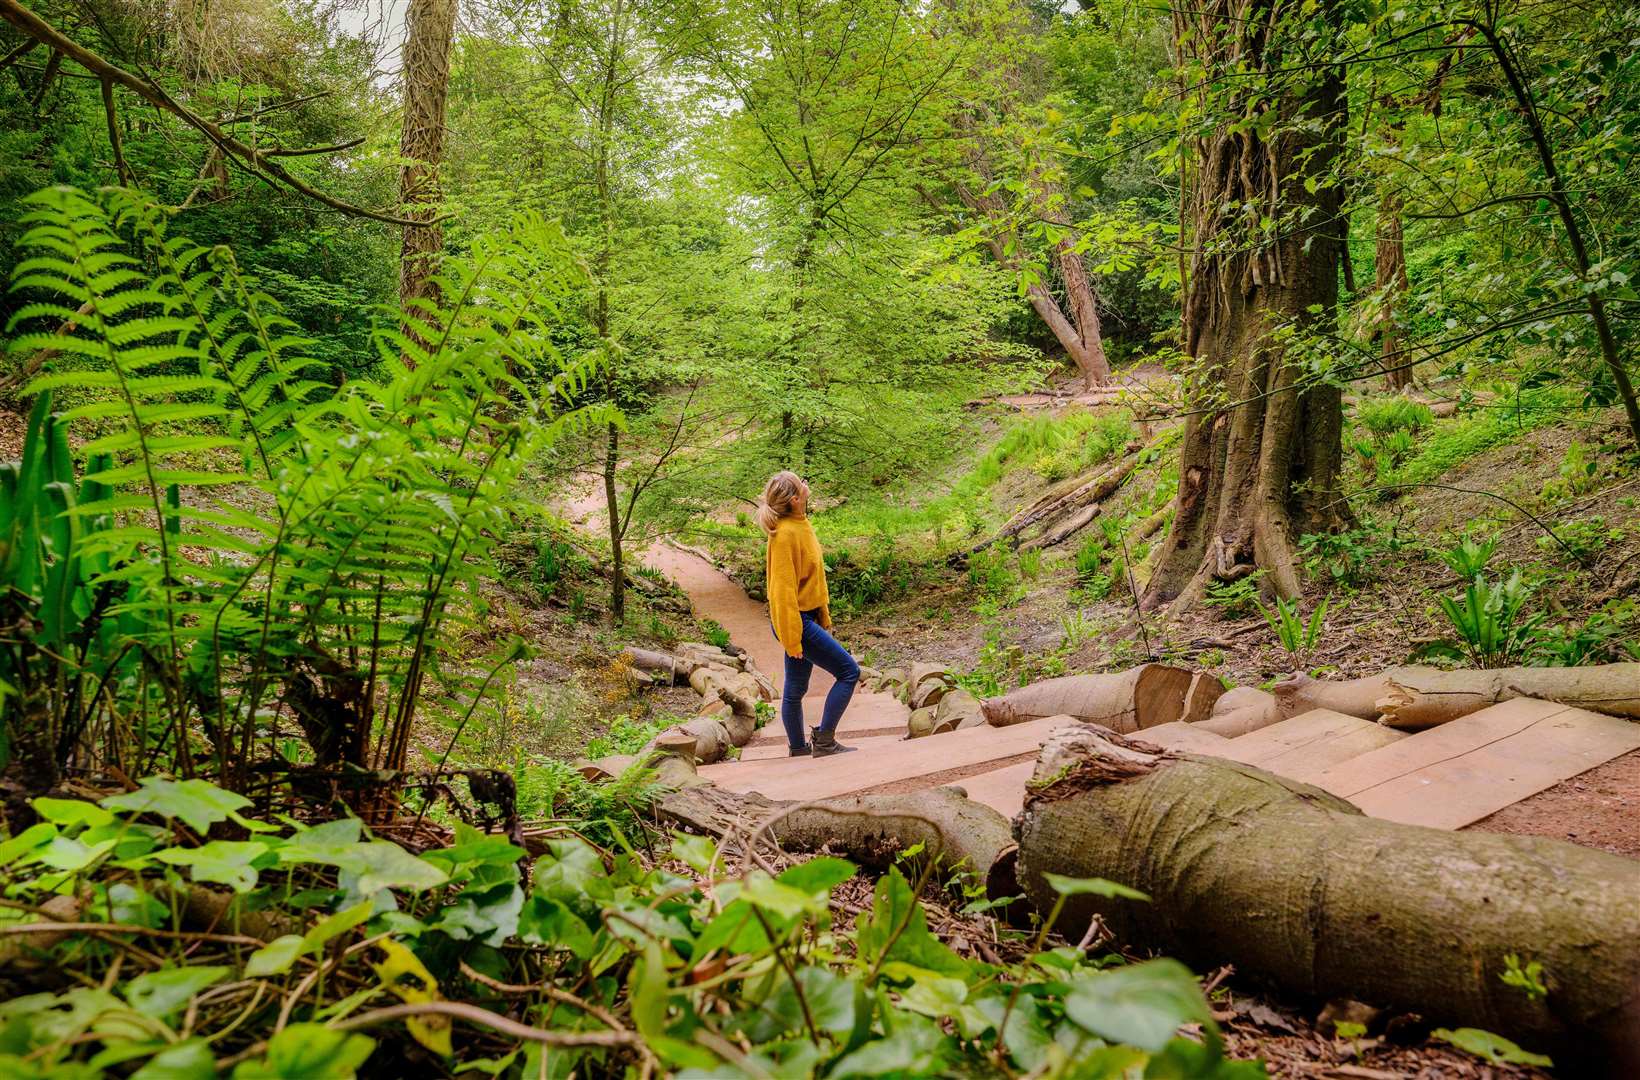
(820,648)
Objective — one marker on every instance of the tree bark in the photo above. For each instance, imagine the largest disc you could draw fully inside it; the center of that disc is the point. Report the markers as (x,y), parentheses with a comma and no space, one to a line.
(1297,889)
(1145,696)
(1390,268)
(869,829)
(429,25)
(1260,464)
(1080,333)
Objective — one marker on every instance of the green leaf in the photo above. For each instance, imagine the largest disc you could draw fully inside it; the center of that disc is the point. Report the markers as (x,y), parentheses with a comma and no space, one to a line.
(544,921)
(226,862)
(830,999)
(893,907)
(695,852)
(1069,886)
(306,1051)
(197,804)
(71,812)
(912,1050)
(191,1060)
(161,993)
(30,840)
(274,958)
(783,900)
(1493,1048)
(818,876)
(1141,1004)
(377,864)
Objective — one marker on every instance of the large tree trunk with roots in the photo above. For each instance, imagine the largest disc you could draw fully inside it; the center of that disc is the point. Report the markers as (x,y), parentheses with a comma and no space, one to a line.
(1298,889)
(428,28)
(1260,461)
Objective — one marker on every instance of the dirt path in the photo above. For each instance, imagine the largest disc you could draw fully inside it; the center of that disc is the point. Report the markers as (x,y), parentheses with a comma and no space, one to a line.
(716,596)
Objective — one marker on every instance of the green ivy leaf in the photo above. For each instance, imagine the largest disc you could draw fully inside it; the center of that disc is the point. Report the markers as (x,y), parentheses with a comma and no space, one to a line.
(892,906)
(695,852)
(30,840)
(305,1051)
(818,876)
(1493,1048)
(545,921)
(783,900)
(71,812)
(1140,1004)
(161,993)
(1093,886)
(191,1060)
(194,802)
(912,1050)
(274,958)
(226,862)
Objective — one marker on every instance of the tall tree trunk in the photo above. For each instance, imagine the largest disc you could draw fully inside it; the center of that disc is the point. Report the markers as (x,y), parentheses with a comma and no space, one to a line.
(1080,333)
(605,119)
(1091,359)
(428,29)
(1260,463)
(1390,261)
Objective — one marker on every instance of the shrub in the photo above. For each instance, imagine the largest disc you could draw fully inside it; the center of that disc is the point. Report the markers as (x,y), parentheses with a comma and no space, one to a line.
(1090,556)
(1385,415)
(1579,538)
(1235,599)
(1493,629)
(714,633)
(1468,557)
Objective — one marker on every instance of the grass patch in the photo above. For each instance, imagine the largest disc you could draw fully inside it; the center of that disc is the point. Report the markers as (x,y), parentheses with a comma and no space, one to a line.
(1451,444)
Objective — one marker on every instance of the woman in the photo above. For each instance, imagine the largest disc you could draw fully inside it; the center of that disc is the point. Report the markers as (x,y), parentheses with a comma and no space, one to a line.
(799,609)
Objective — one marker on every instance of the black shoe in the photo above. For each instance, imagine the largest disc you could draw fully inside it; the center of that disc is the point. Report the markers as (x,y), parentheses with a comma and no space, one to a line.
(798,751)
(825,743)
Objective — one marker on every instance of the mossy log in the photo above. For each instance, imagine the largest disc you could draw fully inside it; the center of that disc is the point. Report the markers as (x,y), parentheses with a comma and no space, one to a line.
(1298,889)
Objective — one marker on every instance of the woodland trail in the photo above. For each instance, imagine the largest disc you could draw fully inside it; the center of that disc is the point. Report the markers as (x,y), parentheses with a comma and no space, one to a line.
(716,596)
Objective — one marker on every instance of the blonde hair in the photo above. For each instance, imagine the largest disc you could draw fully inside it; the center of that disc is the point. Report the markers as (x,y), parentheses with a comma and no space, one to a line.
(779,499)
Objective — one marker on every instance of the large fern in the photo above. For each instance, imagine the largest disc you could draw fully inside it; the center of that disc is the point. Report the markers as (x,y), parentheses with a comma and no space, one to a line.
(291,553)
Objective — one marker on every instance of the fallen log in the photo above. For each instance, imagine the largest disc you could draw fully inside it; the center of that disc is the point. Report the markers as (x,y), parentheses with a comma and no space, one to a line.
(1063,531)
(870,830)
(1058,501)
(1125,701)
(1205,693)
(657,662)
(1298,889)
(1413,698)
(954,708)
(1416,698)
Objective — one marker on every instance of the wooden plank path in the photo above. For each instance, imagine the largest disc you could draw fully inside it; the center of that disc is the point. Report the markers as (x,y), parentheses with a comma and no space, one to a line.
(1454,775)
(1305,746)
(902,764)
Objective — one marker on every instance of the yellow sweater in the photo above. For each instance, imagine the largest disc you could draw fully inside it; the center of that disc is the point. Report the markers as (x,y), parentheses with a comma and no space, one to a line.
(796,581)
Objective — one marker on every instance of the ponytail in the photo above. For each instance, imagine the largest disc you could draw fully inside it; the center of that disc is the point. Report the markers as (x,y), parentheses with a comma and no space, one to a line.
(779,499)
